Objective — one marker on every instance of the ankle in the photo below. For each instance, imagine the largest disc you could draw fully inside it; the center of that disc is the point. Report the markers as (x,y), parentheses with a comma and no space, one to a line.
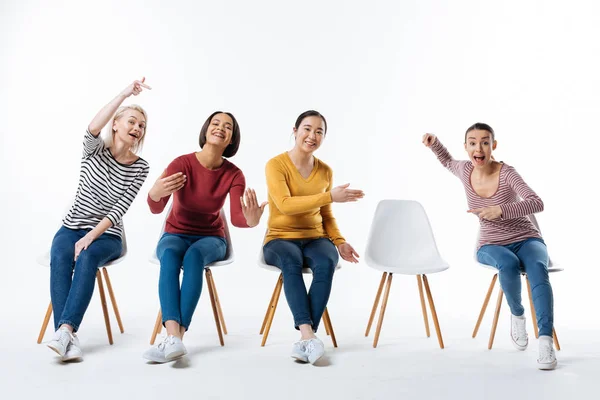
(66,327)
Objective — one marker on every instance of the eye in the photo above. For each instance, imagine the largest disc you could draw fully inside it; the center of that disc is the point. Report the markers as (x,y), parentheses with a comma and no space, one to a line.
(472,144)
(320,133)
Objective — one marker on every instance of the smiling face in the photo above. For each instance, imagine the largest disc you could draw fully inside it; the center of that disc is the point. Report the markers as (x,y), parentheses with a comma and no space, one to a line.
(220,130)
(129,127)
(309,134)
(479,145)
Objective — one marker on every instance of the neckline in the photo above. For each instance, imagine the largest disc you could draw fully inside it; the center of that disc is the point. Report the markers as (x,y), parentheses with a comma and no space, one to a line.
(120,163)
(206,169)
(312,173)
(497,187)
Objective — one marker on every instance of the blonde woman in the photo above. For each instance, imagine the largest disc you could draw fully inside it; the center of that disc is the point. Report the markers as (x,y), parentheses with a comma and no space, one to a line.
(111,176)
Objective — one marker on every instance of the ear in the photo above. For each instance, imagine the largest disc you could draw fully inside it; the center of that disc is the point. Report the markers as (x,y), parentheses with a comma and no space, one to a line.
(494,145)
(466,146)
(114,125)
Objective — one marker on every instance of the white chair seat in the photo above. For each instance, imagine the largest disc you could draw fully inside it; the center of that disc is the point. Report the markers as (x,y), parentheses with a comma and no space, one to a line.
(427,268)
(551,268)
(262,263)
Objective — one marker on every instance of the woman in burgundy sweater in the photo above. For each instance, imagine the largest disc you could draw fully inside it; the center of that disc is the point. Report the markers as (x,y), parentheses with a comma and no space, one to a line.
(509,241)
(194,231)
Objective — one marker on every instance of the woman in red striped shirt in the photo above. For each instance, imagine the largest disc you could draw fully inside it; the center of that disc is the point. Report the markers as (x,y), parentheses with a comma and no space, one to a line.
(509,241)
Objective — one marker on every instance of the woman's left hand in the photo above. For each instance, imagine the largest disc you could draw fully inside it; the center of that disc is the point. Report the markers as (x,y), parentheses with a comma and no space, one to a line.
(348,253)
(489,213)
(252,211)
(83,244)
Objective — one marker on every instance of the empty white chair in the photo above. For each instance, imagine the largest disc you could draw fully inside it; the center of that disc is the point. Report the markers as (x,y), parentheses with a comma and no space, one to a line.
(268,320)
(44,260)
(551,268)
(401,242)
(210,283)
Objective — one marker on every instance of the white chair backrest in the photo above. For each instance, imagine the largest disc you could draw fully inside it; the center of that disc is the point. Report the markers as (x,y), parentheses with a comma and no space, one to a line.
(400,236)
(229,251)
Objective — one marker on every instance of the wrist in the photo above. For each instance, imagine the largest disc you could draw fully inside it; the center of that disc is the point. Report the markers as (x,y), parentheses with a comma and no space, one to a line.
(154,197)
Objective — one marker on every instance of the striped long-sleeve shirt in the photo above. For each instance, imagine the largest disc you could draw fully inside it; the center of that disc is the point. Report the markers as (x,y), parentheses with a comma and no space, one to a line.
(106,187)
(514,196)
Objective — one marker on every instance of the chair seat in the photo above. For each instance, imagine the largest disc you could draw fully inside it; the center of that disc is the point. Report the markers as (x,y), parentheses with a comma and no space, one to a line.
(551,268)
(44,260)
(154,260)
(273,268)
(437,265)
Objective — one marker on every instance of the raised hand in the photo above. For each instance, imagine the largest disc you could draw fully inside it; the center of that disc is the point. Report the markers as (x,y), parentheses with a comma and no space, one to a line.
(429,139)
(252,211)
(135,88)
(490,213)
(166,186)
(348,253)
(341,194)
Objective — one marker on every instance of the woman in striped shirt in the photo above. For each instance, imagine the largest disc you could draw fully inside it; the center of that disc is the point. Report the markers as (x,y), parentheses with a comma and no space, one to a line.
(194,230)
(509,241)
(91,235)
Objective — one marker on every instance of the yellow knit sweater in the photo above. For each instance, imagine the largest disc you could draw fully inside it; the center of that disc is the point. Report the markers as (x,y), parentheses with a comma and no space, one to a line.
(300,208)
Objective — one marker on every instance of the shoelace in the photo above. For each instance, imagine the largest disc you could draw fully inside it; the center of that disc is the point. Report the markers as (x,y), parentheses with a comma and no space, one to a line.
(519,330)
(167,340)
(546,352)
(65,340)
(310,346)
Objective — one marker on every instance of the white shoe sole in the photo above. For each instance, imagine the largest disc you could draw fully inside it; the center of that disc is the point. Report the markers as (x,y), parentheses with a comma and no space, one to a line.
(316,359)
(299,357)
(56,350)
(518,346)
(547,367)
(175,355)
(72,358)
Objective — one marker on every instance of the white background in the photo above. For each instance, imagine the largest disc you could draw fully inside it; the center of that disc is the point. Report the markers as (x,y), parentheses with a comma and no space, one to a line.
(382,73)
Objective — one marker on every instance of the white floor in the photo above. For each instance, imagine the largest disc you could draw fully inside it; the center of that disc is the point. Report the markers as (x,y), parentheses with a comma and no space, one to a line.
(405,365)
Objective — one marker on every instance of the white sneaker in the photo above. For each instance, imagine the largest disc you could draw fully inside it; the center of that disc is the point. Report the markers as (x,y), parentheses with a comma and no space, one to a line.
(73,350)
(169,349)
(314,350)
(547,358)
(518,332)
(299,351)
(60,341)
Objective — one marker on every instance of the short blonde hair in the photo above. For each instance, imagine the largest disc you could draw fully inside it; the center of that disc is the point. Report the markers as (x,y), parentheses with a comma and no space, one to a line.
(109,133)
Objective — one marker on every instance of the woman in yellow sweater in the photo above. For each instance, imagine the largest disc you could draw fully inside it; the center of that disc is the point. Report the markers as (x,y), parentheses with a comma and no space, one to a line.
(302,230)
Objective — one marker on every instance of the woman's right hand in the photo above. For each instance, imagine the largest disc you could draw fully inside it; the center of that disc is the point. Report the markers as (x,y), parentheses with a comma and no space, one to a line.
(429,139)
(166,186)
(341,194)
(135,88)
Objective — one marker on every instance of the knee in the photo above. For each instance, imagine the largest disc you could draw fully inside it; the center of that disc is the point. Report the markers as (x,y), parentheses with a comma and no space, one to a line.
(87,263)
(194,256)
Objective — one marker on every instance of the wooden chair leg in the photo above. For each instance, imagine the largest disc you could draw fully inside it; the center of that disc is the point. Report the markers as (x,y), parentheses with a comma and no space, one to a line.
(45,323)
(532,307)
(375,303)
(325,325)
(496,315)
(556,343)
(436,323)
(382,310)
(211,292)
(423,307)
(272,309)
(218,303)
(485,304)
(332,333)
(157,327)
(113,300)
(104,306)
(262,328)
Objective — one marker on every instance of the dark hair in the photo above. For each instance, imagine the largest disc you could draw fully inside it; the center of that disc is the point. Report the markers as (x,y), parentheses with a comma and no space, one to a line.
(235,138)
(480,126)
(310,113)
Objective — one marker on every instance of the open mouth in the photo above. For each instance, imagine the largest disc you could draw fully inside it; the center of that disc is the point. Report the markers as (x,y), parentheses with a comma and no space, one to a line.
(133,135)
(479,159)
(219,135)
(309,143)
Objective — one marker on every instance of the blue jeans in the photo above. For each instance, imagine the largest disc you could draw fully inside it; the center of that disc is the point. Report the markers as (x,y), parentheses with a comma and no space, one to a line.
(72,283)
(192,253)
(321,256)
(529,256)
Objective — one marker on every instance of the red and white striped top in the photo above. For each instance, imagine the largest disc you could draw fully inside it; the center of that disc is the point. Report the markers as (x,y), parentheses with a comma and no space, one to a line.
(514,197)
